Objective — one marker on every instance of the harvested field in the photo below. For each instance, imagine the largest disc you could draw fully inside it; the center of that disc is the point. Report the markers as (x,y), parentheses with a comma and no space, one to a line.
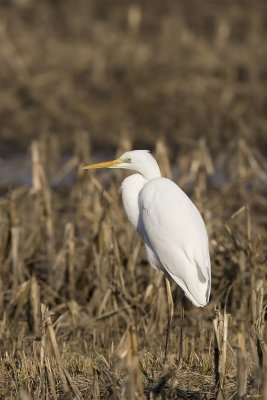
(82,314)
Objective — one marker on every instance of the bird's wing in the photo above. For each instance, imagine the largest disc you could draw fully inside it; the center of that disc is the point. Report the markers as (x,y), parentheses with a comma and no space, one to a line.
(173,229)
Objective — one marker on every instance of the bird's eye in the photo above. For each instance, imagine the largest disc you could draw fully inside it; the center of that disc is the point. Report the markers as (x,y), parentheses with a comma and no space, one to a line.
(129,159)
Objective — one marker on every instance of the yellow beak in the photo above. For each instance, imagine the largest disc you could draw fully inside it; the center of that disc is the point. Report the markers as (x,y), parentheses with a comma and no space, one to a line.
(105,164)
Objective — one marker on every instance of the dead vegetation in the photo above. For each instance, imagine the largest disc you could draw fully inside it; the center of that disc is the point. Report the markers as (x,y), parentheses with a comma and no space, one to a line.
(82,314)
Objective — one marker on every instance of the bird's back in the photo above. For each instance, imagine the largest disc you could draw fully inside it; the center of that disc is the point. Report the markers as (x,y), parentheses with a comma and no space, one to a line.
(174,231)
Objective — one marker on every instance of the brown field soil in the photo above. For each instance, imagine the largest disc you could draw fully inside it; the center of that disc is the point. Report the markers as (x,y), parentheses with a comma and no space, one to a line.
(82,314)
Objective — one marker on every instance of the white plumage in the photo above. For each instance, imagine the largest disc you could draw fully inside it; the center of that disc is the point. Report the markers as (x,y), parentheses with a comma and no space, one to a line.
(176,234)
(172,228)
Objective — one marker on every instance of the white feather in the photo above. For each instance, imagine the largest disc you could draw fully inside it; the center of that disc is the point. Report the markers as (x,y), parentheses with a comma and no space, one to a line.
(174,233)
(173,229)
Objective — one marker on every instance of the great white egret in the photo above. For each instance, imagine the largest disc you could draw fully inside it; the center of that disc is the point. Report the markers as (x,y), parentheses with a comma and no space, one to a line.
(171,226)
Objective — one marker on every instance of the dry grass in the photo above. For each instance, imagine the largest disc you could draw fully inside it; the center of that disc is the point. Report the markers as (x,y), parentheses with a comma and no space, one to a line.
(82,314)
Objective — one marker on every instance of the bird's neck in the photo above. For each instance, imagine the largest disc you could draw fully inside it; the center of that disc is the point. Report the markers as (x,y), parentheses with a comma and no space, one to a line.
(131,187)
(150,171)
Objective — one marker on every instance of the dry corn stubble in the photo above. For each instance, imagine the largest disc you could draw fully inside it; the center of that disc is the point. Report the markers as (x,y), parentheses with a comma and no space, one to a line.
(81,313)
(105,331)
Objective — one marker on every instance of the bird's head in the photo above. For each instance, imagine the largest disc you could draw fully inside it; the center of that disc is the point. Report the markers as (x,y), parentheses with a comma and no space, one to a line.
(137,160)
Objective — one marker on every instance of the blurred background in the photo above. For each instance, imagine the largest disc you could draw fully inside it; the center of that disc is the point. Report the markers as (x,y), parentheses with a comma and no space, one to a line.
(145,69)
(83,81)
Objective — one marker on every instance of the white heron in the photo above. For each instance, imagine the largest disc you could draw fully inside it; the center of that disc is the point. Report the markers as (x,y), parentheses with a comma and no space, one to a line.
(171,226)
